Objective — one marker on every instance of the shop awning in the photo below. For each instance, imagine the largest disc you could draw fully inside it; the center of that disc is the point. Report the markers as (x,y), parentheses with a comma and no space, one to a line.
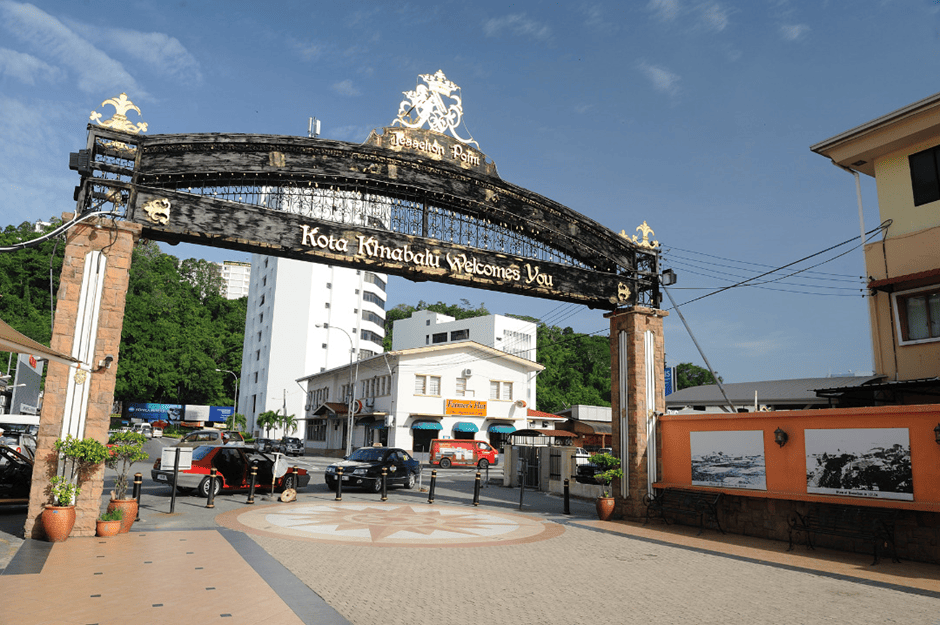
(500,428)
(466,426)
(13,341)
(426,425)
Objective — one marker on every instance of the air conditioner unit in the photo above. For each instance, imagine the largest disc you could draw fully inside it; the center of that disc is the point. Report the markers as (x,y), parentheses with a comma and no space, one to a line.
(467,373)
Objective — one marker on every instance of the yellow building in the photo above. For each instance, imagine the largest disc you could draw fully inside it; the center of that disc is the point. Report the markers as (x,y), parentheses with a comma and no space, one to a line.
(901,150)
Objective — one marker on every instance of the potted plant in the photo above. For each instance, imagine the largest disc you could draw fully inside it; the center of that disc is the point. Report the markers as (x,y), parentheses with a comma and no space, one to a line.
(109,523)
(77,458)
(124,449)
(608,470)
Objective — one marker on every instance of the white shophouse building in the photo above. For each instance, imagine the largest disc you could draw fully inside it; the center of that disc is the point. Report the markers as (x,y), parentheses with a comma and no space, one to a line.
(406,398)
(507,334)
(304,317)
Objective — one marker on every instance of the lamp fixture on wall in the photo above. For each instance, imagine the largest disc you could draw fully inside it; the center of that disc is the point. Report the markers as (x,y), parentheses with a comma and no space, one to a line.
(936,433)
(781,438)
(106,363)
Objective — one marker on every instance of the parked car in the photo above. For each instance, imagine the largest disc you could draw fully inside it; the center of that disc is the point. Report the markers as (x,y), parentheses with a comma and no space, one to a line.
(233,464)
(291,446)
(448,451)
(363,468)
(16,475)
(143,428)
(211,437)
(581,456)
(20,442)
(264,444)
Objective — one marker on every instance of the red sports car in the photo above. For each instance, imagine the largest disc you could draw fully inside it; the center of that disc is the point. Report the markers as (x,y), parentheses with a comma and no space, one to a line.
(234,470)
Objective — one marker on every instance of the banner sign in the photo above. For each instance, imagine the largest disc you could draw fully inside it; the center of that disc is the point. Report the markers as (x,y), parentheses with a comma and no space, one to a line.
(465,407)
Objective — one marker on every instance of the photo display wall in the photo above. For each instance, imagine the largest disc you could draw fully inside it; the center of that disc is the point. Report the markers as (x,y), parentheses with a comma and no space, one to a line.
(862,462)
(728,459)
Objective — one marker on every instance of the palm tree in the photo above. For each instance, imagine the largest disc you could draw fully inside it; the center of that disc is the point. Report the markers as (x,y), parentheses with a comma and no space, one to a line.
(289,423)
(267,420)
(236,421)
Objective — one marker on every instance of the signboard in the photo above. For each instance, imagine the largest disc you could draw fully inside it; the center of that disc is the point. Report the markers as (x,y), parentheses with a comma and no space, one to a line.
(25,399)
(168,458)
(465,407)
(671,380)
(154,412)
(219,414)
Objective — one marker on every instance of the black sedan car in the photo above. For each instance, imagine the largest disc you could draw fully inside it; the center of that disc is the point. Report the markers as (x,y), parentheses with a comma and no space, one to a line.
(363,468)
(16,474)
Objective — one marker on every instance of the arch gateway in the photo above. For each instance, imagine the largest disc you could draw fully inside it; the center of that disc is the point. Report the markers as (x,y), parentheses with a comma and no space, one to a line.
(411,201)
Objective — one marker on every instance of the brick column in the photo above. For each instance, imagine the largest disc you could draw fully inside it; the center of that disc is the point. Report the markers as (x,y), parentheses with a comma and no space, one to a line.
(635,322)
(79,399)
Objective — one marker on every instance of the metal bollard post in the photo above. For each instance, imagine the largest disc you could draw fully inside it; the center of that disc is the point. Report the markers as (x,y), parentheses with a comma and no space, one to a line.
(339,483)
(486,483)
(384,483)
(567,500)
(433,482)
(210,498)
(176,472)
(476,490)
(251,482)
(524,467)
(138,482)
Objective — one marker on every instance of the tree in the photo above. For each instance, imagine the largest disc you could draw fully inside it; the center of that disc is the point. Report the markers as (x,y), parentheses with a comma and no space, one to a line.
(236,421)
(689,375)
(289,423)
(268,420)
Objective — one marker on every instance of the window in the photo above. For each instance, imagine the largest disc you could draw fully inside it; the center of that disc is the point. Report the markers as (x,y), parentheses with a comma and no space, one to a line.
(316,430)
(462,390)
(460,335)
(368,335)
(329,285)
(262,298)
(374,299)
(428,385)
(258,354)
(256,377)
(374,318)
(501,390)
(259,335)
(925,176)
(261,318)
(264,281)
(440,337)
(326,304)
(374,279)
(918,314)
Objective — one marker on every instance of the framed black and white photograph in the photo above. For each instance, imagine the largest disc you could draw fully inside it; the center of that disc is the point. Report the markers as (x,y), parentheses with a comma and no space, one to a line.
(860,462)
(728,459)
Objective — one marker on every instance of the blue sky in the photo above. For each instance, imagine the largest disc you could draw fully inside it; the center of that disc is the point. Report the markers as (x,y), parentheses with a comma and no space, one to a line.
(696,117)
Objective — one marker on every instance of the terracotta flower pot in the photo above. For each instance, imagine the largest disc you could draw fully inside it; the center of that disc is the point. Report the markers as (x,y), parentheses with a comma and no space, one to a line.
(129,508)
(605,508)
(57,522)
(108,528)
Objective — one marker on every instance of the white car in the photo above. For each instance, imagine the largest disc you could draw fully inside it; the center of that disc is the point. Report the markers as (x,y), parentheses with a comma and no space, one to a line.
(581,456)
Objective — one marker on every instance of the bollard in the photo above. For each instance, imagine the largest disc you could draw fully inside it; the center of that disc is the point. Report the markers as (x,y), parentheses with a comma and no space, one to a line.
(567,498)
(433,482)
(251,482)
(384,483)
(486,482)
(210,498)
(176,472)
(138,482)
(476,490)
(523,468)
(339,483)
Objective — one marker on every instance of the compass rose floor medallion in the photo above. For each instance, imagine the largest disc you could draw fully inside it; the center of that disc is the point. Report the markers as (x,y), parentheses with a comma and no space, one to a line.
(391,525)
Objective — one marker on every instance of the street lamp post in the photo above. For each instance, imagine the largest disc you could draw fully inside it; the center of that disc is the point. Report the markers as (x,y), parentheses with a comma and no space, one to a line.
(352,387)
(236,388)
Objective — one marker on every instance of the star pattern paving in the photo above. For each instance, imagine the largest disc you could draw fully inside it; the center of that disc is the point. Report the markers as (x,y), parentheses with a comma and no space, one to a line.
(392,524)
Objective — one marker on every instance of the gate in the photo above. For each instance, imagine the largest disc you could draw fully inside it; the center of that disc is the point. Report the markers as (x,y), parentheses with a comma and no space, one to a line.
(531,465)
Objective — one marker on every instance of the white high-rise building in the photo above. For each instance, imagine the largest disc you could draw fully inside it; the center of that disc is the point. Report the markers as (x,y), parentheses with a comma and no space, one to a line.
(235,278)
(302,318)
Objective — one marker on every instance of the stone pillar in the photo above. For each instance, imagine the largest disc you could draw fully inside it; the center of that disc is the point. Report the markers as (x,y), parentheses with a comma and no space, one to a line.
(89,317)
(630,403)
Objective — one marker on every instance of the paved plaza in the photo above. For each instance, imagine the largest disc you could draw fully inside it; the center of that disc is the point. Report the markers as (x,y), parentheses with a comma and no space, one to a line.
(405,561)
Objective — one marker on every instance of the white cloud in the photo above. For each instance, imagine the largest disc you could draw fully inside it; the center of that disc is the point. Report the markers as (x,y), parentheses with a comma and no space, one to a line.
(161,52)
(793,32)
(596,19)
(517,24)
(664,10)
(346,87)
(768,344)
(27,68)
(714,16)
(97,72)
(663,80)
(309,51)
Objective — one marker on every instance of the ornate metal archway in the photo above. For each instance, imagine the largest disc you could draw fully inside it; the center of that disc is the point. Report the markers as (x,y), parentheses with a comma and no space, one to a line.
(409,201)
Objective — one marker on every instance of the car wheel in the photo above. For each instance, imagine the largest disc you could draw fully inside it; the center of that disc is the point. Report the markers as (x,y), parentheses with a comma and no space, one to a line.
(483,463)
(290,482)
(331,484)
(410,483)
(375,485)
(445,463)
(204,487)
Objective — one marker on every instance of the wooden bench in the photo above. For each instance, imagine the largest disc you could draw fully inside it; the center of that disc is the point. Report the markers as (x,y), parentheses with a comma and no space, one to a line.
(874,525)
(684,502)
